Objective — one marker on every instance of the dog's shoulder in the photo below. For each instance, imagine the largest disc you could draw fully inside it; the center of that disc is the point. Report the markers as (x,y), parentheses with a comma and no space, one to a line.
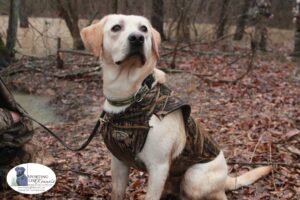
(170,102)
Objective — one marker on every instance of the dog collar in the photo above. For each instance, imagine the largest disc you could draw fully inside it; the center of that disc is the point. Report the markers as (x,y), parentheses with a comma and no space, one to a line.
(138,96)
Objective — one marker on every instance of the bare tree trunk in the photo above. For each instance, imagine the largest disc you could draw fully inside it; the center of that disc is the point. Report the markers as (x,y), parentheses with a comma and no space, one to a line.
(23,14)
(194,20)
(297,40)
(12,26)
(148,8)
(241,22)
(69,12)
(122,7)
(222,19)
(181,24)
(115,6)
(4,56)
(157,17)
(296,51)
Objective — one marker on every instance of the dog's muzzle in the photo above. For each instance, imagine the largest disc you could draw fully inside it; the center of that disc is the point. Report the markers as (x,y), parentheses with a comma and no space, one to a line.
(136,48)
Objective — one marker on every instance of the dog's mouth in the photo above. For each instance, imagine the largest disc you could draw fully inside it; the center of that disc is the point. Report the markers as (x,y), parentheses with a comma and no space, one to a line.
(135,53)
(137,56)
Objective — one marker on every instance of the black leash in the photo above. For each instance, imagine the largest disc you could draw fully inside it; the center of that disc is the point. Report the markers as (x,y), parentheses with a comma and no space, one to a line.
(87,142)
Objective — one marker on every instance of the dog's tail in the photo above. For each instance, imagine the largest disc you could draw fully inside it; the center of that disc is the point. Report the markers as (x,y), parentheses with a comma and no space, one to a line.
(233,183)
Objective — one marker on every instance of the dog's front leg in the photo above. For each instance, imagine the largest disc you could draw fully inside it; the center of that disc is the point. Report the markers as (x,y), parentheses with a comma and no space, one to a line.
(157,177)
(119,172)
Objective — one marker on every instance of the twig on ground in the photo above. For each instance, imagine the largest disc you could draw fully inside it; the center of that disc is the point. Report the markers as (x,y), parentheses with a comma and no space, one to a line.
(209,81)
(70,75)
(76,171)
(258,142)
(178,71)
(9,72)
(76,74)
(291,165)
(239,58)
(197,44)
(83,53)
(207,53)
(249,69)
(270,155)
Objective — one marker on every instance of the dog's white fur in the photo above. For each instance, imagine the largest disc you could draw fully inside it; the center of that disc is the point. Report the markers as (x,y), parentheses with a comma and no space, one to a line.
(208,180)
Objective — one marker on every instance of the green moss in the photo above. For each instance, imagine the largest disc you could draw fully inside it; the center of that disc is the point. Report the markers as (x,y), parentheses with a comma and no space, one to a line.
(14,182)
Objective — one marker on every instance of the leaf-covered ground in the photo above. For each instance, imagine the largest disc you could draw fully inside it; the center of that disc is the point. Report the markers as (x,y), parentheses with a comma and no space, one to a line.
(255,120)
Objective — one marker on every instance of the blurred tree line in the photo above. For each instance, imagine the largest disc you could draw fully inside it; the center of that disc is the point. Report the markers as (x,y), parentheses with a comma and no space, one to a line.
(202,11)
(177,18)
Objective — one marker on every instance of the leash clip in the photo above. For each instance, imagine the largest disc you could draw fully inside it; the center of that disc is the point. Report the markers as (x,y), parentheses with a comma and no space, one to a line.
(146,86)
(102,120)
(138,97)
(140,94)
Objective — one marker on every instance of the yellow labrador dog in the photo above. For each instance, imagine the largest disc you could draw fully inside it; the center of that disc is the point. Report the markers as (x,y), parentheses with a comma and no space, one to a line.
(128,50)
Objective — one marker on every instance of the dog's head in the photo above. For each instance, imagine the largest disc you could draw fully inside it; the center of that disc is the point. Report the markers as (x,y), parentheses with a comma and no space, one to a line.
(122,38)
(20,170)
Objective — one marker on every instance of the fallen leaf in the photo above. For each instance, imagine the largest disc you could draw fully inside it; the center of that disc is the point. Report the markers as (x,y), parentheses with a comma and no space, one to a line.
(294,150)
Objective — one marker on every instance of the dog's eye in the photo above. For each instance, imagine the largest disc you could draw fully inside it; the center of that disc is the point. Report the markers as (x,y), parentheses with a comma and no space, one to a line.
(144,29)
(116,28)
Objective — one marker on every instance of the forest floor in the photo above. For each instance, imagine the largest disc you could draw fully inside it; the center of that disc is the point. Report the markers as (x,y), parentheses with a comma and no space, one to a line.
(254,116)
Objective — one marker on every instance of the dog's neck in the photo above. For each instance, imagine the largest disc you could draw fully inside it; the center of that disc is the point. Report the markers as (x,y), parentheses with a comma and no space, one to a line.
(120,82)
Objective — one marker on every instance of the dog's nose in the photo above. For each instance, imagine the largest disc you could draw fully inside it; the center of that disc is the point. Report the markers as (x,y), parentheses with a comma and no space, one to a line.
(136,39)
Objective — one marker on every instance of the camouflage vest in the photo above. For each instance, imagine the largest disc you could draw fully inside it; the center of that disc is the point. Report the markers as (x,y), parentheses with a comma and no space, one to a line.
(125,133)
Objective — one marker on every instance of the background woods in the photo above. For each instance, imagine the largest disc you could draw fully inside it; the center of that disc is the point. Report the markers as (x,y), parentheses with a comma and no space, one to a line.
(235,61)
(177,20)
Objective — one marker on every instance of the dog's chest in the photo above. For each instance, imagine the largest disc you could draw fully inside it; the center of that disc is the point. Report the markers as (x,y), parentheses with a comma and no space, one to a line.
(125,140)
(125,134)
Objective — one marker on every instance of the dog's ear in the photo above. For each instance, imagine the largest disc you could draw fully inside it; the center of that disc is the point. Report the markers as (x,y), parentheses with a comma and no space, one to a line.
(156,40)
(92,37)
